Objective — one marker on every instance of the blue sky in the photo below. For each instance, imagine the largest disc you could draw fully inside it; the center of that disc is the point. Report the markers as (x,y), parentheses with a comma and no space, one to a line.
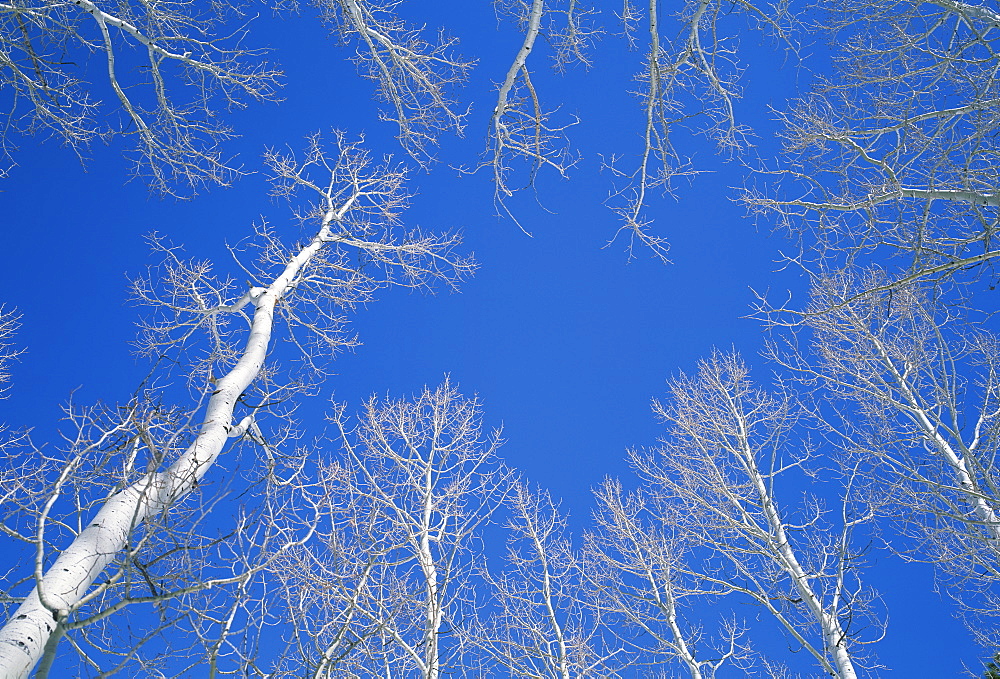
(565,341)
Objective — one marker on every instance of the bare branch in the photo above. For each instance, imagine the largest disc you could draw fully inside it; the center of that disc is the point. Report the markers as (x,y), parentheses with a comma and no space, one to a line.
(386,585)
(356,210)
(177,134)
(415,75)
(693,77)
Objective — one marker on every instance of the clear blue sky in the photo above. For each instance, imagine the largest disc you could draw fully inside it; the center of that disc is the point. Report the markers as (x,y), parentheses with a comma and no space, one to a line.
(565,341)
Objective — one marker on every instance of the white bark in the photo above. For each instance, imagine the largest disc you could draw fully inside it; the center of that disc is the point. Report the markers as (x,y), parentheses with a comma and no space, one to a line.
(834,637)
(544,620)
(434,614)
(640,558)
(909,364)
(964,9)
(386,589)
(722,463)
(523,138)
(903,162)
(65,586)
(416,77)
(965,480)
(693,62)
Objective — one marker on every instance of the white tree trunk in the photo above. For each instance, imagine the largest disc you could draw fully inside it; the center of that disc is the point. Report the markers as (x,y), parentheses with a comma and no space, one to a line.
(425,556)
(834,637)
(64,587)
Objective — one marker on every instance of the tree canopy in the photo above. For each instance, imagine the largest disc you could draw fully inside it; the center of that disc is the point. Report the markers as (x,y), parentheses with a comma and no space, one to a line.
(512,222)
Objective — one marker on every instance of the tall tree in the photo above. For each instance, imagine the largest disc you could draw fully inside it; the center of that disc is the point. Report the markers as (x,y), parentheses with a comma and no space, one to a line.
(388,586)
(892,154)
(917,387)
(710,519)
(543,619)
(163,455)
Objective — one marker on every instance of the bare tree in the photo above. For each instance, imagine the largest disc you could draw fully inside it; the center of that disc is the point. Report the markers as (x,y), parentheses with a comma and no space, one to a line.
(183,591)
(192,62)
(9,323)
(639,578)
(522,136)
(729,446)
(386,587)
(894,155)
(375,551)
(688,85)
(354,208)
(542,619)
(918,386)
